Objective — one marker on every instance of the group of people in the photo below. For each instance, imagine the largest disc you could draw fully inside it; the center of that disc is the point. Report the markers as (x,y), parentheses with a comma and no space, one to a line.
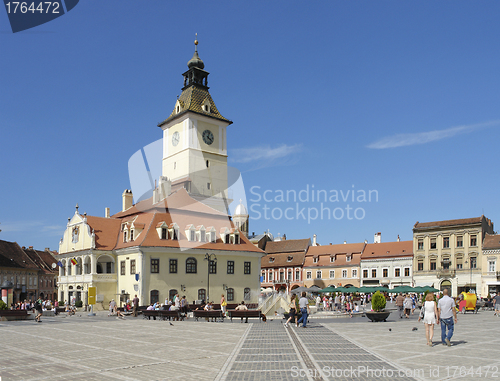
(340,303)
(295,306)
(406,305)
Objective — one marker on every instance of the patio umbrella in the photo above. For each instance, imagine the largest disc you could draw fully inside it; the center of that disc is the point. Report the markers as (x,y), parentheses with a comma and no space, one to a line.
(430,289)
(366,289)
(352,289)
(298,290)
(328,289)
(313,288)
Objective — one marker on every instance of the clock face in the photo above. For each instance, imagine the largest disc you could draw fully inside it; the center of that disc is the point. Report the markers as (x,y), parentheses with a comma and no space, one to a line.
(175,138)
(208,137)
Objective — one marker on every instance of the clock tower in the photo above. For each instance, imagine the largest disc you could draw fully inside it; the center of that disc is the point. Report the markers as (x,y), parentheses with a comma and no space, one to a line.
(195,141)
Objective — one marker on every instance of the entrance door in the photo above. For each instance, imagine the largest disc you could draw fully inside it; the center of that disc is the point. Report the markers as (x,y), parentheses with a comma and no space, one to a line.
(446,284)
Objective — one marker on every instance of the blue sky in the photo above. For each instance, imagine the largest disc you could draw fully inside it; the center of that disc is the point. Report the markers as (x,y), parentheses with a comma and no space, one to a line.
(396,97)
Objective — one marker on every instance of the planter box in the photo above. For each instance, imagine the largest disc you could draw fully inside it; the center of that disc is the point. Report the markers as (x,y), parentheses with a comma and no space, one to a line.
(377,316)
(13,315)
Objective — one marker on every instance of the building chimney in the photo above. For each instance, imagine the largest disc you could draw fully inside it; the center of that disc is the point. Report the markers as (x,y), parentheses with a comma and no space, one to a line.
(398,238)
(377,238)
(284,237)
(24,247)
(165,186)
(47,249)
(31,247)
(127,199)
(106,213)
(315,243)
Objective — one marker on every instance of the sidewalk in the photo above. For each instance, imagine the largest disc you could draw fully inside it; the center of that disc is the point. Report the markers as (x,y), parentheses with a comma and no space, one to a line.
(106,348)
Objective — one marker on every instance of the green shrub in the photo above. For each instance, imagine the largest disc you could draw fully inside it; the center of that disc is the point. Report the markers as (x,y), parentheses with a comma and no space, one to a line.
(61,303)
(378,301)
(78,303)
(3,305)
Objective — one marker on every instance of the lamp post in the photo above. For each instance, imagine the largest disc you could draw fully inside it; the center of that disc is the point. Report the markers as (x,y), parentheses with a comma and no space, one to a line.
(209,258)
(470,266)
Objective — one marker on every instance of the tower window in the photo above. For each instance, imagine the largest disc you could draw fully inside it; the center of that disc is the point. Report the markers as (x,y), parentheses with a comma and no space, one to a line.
(208,164)
(178,109)
(175,164)
(209,186)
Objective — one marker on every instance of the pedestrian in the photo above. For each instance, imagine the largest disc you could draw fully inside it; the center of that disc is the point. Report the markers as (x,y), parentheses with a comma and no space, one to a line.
(112,307)
(429,314)
(318,301)
(408,305)
(447,315)
(223,305)
(304,309)
(292,311)
(399,303)
(38,309)
(496,301)
(135,302)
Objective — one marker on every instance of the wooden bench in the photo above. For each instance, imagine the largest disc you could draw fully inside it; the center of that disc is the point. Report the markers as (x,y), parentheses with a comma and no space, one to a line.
(214,314)
(13,315)
(245,314)
(162,314)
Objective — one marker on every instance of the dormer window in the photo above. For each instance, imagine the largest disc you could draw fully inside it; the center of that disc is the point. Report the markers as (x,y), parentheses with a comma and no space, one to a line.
(289,258)
(271,259)
(224,235)
(201,234)
(190,233)
(332,258)
(315,259)
(124,236)
(131,235)
(206,106)
(348,258)
(173,231)
(210,234)
(164,233)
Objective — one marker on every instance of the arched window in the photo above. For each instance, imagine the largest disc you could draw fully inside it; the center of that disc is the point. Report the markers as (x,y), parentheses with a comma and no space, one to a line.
(154,296)
(246,294)
(191,266)
(171,294)
(202,294)
(230,294)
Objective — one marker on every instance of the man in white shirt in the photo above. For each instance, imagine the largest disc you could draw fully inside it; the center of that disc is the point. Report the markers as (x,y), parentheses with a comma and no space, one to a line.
(448,316)
(304,307)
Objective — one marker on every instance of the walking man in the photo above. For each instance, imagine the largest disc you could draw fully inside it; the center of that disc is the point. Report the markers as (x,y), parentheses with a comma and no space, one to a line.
(399,303)
(448,317)
(304,306)
(135,301)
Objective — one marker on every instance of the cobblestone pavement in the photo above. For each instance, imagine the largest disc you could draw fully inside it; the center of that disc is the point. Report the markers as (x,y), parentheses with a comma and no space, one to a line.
(105,348)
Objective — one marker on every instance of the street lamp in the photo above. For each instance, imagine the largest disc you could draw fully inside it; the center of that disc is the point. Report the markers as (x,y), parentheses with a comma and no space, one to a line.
(209,258)
(470,265)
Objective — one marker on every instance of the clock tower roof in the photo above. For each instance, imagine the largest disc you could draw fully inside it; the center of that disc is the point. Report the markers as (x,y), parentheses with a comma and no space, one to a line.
(195,96)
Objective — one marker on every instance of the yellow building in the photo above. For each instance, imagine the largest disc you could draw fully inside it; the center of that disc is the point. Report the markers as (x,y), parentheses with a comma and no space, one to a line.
(448,254)
(180,240)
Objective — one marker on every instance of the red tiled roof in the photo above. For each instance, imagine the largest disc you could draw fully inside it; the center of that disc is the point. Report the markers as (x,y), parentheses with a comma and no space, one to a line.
(106,231)
(11,255)
(491,241)
(287,246)
(458,222)
(388,250)
(281,260)
(343,248)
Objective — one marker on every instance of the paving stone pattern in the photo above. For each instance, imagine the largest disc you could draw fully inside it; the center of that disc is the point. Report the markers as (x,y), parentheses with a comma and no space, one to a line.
(272,352)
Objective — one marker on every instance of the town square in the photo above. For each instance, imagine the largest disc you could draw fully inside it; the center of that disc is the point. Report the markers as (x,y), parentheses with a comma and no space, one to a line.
(236,191)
